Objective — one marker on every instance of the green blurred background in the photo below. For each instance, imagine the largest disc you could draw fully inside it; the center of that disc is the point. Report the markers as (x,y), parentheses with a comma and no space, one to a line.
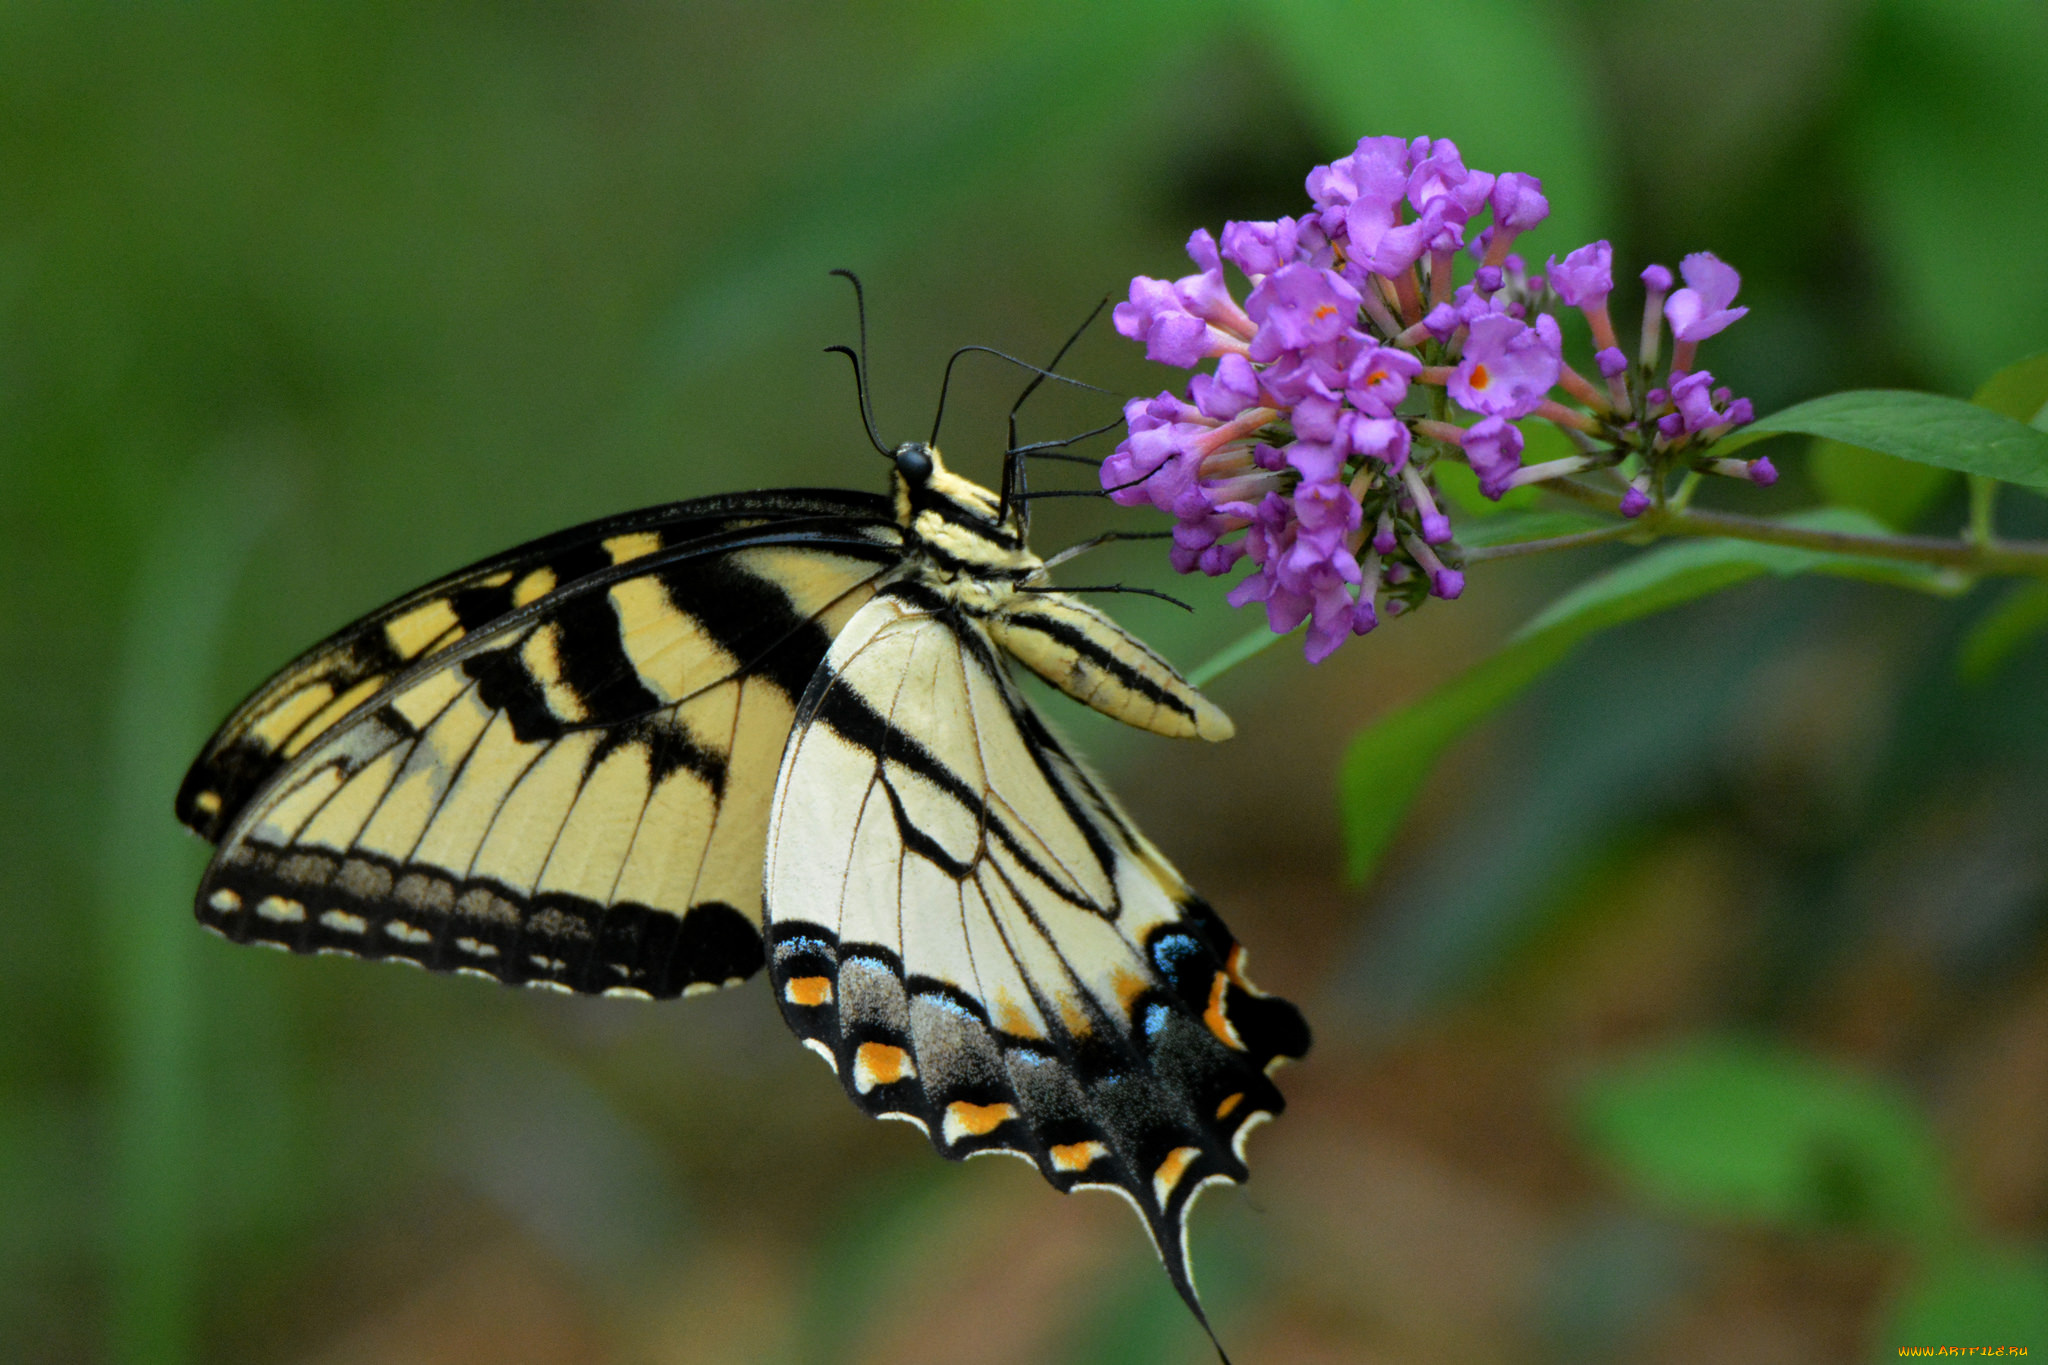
(1699,1013)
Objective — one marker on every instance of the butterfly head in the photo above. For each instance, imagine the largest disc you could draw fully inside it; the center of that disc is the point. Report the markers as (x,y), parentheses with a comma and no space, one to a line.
(915,463)
(953,519)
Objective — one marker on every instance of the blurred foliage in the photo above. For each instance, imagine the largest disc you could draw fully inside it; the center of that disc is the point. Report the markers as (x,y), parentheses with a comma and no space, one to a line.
(1733,1129)
(1386,764)
(302,305)
(2021,614)
(1976,1295)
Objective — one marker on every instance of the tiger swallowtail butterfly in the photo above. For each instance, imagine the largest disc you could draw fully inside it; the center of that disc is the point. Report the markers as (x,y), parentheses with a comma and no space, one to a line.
(649,755)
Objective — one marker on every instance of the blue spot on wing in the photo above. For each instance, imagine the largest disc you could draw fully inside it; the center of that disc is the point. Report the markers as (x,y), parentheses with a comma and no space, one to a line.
(1173,950)
(1155,1020)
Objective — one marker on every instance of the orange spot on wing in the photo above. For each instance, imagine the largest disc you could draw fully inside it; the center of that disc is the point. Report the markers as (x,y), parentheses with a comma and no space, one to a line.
(1229,1106)
(1171,1170)
(964,1120)
(1074,1017)
(1076,1156)
(1217,1018)
(808,991)
(1128,986)
(880,1064)
(1012,1020)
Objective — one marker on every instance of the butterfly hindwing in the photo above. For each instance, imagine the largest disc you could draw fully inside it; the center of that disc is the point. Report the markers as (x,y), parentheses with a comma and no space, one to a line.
(572,792)
(968,928)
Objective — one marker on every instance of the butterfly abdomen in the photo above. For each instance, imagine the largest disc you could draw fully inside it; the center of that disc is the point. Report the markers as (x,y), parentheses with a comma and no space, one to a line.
(1096,662)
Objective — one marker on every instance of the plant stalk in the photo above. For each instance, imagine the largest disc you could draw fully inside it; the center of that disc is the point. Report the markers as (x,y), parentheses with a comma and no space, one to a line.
(2028,558)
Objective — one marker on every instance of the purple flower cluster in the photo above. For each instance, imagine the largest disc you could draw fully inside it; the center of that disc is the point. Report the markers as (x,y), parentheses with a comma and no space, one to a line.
(1357,362)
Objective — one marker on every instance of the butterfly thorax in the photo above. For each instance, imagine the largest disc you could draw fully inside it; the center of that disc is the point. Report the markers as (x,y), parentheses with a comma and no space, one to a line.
(957,536)
(962,544)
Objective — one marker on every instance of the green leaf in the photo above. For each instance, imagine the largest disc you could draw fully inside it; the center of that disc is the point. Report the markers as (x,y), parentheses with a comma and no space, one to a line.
(1972,1295)
(1677,573)
(2019,615)
(2019,391)
(1385,764)
(1925,428)
(1750,1131)
(209,531)
(1897,492)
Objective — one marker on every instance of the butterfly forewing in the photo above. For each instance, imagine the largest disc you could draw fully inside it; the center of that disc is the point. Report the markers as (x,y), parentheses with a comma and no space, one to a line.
(574,791)
(963,922)
(282,718)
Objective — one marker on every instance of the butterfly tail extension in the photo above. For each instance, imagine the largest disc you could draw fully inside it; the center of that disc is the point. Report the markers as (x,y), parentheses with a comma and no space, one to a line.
(1155,1123)
(989,951)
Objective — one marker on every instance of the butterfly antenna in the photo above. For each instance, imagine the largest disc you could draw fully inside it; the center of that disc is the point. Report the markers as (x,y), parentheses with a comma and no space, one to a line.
(1049,450)
(946,382)
(860,361)
(1039,376)
(1014,480)
(1030,496)
(1054,364)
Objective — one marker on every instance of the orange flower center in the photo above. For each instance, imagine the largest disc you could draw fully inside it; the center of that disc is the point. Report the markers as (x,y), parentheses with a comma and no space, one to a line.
(1480,379)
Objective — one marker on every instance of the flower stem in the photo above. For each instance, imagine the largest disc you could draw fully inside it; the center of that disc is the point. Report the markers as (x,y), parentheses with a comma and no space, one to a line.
(1983,496)
(2001,557)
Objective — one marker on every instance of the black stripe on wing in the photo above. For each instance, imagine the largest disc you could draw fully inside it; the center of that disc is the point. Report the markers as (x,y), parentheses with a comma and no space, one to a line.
(332,679)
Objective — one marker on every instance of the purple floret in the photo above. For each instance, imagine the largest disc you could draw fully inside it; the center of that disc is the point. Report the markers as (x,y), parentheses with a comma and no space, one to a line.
(1584,278)
(1701,309)
(1509,367)
(1298,308)
(1493,447)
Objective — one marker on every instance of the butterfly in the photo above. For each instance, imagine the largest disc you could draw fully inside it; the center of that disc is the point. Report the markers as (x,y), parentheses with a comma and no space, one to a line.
(650,755)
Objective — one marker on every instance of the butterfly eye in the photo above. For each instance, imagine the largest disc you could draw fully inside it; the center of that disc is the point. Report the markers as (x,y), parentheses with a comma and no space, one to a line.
(914,462)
